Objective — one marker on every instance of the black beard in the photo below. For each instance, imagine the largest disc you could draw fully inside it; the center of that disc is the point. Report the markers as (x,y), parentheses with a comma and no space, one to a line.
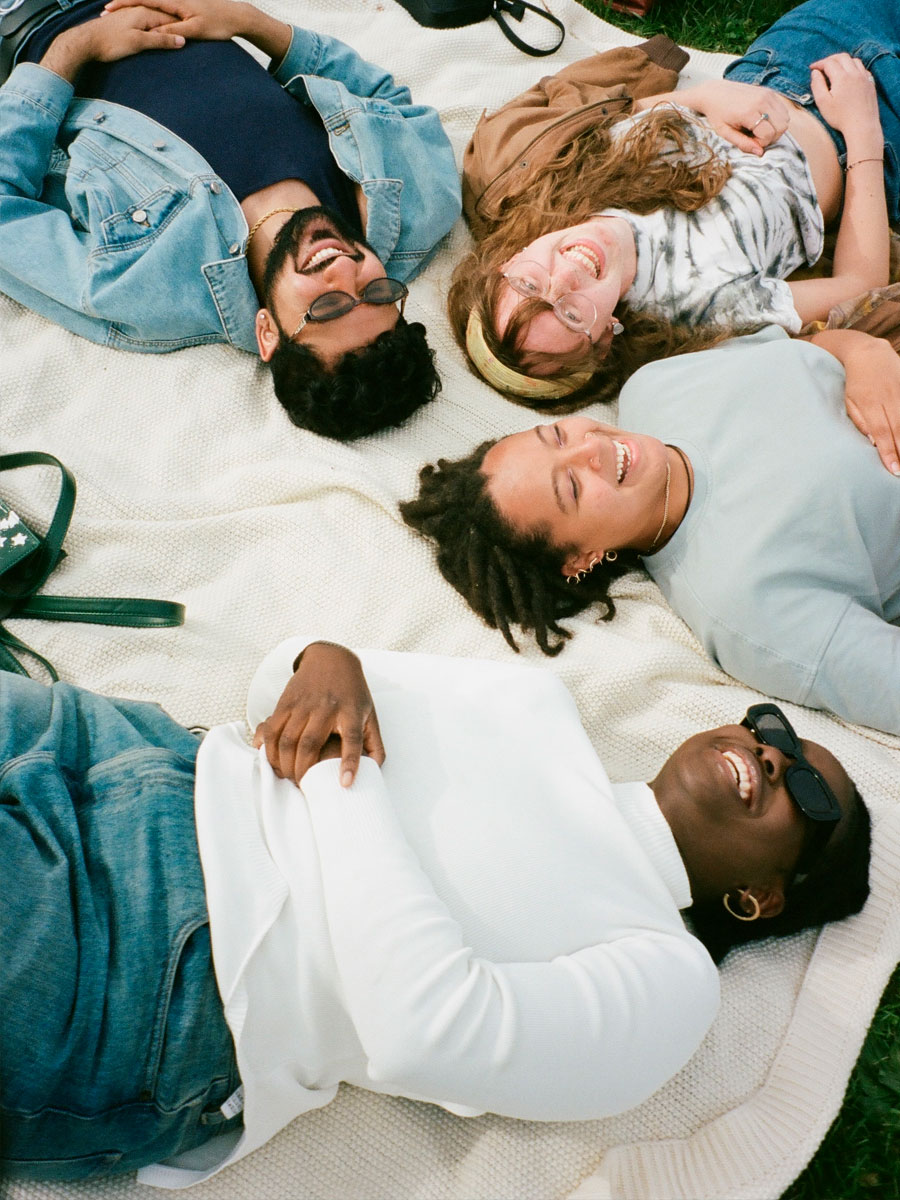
(323,222)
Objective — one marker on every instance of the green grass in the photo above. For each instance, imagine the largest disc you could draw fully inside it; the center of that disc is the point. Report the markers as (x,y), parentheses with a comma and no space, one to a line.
(704,24)
(860,1157)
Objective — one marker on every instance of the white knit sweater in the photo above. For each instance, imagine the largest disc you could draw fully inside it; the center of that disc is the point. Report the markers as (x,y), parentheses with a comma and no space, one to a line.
(485,923)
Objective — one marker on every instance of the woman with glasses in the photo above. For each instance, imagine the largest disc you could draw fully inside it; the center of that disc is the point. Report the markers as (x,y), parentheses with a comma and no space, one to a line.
(767,520)
(683,220)
(480,920)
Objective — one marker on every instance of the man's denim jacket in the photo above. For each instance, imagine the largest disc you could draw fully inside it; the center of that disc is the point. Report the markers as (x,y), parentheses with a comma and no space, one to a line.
(115,228)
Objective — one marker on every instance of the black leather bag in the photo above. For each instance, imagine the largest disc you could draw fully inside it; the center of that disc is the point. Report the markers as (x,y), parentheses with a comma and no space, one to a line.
(27,558)
(450,14)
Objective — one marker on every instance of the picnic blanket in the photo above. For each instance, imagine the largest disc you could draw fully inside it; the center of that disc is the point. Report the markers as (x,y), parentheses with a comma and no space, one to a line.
(193,486)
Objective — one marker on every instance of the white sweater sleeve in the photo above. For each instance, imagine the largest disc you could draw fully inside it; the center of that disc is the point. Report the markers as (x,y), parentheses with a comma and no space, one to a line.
(587,1035)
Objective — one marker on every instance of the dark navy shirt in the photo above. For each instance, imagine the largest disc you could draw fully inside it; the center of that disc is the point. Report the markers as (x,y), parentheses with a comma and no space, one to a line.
(223,103)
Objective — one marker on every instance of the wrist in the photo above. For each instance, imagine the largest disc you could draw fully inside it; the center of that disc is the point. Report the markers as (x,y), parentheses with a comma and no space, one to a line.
(69,52)
(271,36)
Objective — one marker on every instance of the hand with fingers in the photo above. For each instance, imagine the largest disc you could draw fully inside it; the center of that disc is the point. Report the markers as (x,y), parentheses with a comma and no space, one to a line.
(748,116)
(110,37)
(326,702)
(204,20)
(845,95)
(872,387)
(873,398)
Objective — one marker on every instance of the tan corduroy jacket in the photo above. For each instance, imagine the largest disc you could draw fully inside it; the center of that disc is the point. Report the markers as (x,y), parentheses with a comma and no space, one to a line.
(512,145)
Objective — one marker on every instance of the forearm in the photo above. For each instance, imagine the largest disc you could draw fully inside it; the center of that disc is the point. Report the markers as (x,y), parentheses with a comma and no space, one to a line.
(569,1039)
(862,248)
(69,52)
(266,33)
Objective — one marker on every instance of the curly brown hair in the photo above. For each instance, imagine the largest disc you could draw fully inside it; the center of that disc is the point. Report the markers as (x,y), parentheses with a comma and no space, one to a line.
(656,164)
(505,576)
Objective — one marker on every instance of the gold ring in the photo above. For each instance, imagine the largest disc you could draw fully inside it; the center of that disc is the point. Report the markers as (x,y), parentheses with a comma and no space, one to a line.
(763,117)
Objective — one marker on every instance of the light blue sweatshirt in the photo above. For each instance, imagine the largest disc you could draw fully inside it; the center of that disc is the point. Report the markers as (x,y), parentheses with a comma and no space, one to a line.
(787,564)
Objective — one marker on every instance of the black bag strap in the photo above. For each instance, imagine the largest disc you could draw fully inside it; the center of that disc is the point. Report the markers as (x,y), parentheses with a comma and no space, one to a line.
(516,9)
(8,660)
(19,600)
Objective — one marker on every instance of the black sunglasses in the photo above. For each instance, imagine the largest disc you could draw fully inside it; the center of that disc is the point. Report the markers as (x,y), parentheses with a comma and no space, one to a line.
(806,786)
(331,305)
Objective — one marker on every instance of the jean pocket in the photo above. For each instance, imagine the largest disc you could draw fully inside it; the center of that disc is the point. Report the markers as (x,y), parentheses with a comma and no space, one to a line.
(81,1168)
(192,1053)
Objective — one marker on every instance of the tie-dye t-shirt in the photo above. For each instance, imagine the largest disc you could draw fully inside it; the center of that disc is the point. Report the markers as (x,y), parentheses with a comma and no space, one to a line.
(727,263)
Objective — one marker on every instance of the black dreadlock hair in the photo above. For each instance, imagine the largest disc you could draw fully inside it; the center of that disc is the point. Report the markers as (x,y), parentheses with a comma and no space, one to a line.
(506,577)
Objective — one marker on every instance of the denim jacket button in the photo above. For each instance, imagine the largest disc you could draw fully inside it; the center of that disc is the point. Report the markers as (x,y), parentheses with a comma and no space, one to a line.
(99,118)
(159,145)
(233,248)
(215,187)
(139,216)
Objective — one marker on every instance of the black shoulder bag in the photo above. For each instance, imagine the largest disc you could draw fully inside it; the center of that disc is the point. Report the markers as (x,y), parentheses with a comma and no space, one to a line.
(450,14)
(26,560)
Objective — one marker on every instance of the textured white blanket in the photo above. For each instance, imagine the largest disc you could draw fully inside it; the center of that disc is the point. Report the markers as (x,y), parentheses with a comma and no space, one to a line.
(194,486)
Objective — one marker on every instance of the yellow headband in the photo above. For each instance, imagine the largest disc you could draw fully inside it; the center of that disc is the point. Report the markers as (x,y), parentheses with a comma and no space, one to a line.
(505,379)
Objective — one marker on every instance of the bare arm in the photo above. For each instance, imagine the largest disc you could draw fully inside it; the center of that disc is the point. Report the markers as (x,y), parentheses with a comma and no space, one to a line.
(106,40)
(845,96)
(734,110)
(218,21)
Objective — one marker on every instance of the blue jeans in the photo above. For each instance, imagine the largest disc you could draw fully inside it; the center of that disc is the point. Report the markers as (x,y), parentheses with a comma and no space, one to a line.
(867,29)
(114,1051)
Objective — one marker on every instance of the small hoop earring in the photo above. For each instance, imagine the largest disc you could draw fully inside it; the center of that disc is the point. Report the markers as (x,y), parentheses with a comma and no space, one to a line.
(742,916)
(593,563)
(610,556)
(617,327)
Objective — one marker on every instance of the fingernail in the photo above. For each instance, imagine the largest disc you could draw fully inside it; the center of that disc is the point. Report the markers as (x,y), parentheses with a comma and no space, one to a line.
(346,779)
(179,40)
(895,468)
(871,439)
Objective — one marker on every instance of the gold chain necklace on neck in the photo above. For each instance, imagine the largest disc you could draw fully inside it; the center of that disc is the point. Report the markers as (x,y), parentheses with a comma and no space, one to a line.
(262,220)
(665,505)
(690,484)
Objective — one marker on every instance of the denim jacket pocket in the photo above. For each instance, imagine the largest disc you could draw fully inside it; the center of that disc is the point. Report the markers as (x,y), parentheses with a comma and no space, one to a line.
(142,219)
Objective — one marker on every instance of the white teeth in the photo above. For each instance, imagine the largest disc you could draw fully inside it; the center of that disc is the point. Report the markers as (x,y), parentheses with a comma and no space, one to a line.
(583,257)
(741,772)
(623,460)
(323,256)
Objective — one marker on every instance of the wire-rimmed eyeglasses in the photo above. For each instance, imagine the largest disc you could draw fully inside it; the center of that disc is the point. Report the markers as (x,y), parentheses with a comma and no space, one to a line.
(531,280)
(331,305)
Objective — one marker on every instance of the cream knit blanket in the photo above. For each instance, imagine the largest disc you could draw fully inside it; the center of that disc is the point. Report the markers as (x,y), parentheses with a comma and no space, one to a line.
(194,486)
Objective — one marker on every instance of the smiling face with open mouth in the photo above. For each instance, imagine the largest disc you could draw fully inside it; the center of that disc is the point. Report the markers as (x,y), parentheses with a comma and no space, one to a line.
(593,263)
(587,487)
(316,252)
(727,803)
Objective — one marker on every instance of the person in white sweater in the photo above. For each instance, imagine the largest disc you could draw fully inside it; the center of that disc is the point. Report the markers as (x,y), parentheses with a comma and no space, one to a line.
(196,953)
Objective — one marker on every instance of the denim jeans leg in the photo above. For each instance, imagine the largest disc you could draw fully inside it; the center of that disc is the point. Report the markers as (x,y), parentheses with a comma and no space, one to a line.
(869,30)
(114,1050)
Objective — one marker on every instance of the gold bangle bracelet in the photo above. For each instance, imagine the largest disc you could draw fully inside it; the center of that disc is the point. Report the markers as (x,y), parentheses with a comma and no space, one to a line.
(850,166)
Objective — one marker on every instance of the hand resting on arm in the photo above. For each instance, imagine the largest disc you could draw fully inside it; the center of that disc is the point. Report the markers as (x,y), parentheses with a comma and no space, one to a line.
(327,697)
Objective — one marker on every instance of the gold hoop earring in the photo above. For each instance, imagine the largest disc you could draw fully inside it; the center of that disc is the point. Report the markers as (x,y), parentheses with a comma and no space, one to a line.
(610,556)
(742,916)
(593,564)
